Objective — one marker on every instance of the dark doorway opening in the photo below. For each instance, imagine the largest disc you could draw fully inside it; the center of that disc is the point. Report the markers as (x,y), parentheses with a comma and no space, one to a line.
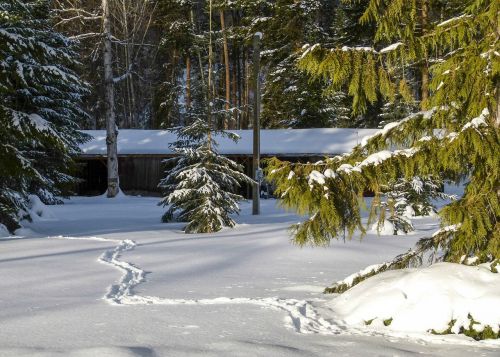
(93,175)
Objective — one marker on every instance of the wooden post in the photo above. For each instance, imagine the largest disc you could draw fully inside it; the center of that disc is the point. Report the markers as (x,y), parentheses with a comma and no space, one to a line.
(256,125)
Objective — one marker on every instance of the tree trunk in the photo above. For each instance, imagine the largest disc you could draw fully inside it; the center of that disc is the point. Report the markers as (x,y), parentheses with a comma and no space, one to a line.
(109,100)
(247,94)
(226,65)
(425,65)
(209,89)
(188,82)
(200,62)
(128,116)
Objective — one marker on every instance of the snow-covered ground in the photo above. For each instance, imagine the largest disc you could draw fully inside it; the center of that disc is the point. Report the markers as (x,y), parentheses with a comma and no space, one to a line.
(101,277)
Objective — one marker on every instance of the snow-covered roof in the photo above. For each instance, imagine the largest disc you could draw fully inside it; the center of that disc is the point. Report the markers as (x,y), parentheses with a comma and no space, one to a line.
(281,142)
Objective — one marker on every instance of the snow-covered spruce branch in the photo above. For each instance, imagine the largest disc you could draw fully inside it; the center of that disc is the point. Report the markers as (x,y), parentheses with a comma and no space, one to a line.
(78,17)
(125,75)
(307,49)
(84,36)
(378,158)
(329,192)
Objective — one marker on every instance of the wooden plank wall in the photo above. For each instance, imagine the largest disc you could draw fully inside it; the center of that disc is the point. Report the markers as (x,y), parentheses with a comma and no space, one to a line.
(142,174)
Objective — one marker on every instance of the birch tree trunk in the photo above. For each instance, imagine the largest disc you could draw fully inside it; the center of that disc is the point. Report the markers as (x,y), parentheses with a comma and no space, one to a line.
(109,100)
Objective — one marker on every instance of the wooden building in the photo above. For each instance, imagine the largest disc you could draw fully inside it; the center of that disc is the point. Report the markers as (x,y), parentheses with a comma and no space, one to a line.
(141,152)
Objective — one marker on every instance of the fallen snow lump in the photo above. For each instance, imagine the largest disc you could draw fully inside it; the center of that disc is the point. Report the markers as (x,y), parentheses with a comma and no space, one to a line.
(431,299)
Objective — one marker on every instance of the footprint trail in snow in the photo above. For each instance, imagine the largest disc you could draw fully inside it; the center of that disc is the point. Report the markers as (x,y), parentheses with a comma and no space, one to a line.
(301,315)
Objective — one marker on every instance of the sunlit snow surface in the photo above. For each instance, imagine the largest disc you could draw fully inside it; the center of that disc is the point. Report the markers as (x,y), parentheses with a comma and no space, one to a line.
(113,281)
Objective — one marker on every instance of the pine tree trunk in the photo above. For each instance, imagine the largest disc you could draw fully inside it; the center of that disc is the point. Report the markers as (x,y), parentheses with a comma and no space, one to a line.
(497,114)
(425,66)
(111,128)
(188,82)
(247,94)
(200,62)
(226,65)
(240,87)
(128,118)
(234,82)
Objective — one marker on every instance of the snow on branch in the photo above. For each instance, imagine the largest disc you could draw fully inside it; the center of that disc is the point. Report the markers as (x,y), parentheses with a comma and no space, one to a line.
(78,17)
(308,48)
(390,47)
(85,35)
(447,22)
(124,76)
(478,121)
(447,229)
(386,129)
(358,48)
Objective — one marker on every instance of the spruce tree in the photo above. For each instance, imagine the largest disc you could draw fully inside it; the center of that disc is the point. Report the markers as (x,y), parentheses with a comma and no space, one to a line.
(202,187)
(39,108)
(463,103)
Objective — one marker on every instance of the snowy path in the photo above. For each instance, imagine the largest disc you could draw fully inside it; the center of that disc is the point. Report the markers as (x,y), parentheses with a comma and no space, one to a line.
(246,292)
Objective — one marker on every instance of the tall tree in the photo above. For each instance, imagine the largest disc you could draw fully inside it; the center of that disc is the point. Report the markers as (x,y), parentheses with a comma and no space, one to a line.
(40,98)
(109,99)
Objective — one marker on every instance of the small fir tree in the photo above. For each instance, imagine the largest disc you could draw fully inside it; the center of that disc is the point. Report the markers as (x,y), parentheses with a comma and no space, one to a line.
(201,188)
(404,199)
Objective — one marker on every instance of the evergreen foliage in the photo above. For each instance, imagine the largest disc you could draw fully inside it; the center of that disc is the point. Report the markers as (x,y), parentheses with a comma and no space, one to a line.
(463,103)
(290,98)
(201,188)
(39,108)
(403,199)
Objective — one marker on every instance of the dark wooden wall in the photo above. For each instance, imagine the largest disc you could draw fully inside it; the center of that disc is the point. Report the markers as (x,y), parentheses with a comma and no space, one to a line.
(140,175)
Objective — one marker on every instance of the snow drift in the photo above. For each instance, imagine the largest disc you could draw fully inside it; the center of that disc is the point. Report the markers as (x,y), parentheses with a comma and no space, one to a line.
(4,232)
(444,297)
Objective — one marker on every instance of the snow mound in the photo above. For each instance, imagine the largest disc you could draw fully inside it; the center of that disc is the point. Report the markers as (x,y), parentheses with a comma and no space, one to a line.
(386,228)
(24,232)
(38,211)
(119,195)
(443,297)
(4,232)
